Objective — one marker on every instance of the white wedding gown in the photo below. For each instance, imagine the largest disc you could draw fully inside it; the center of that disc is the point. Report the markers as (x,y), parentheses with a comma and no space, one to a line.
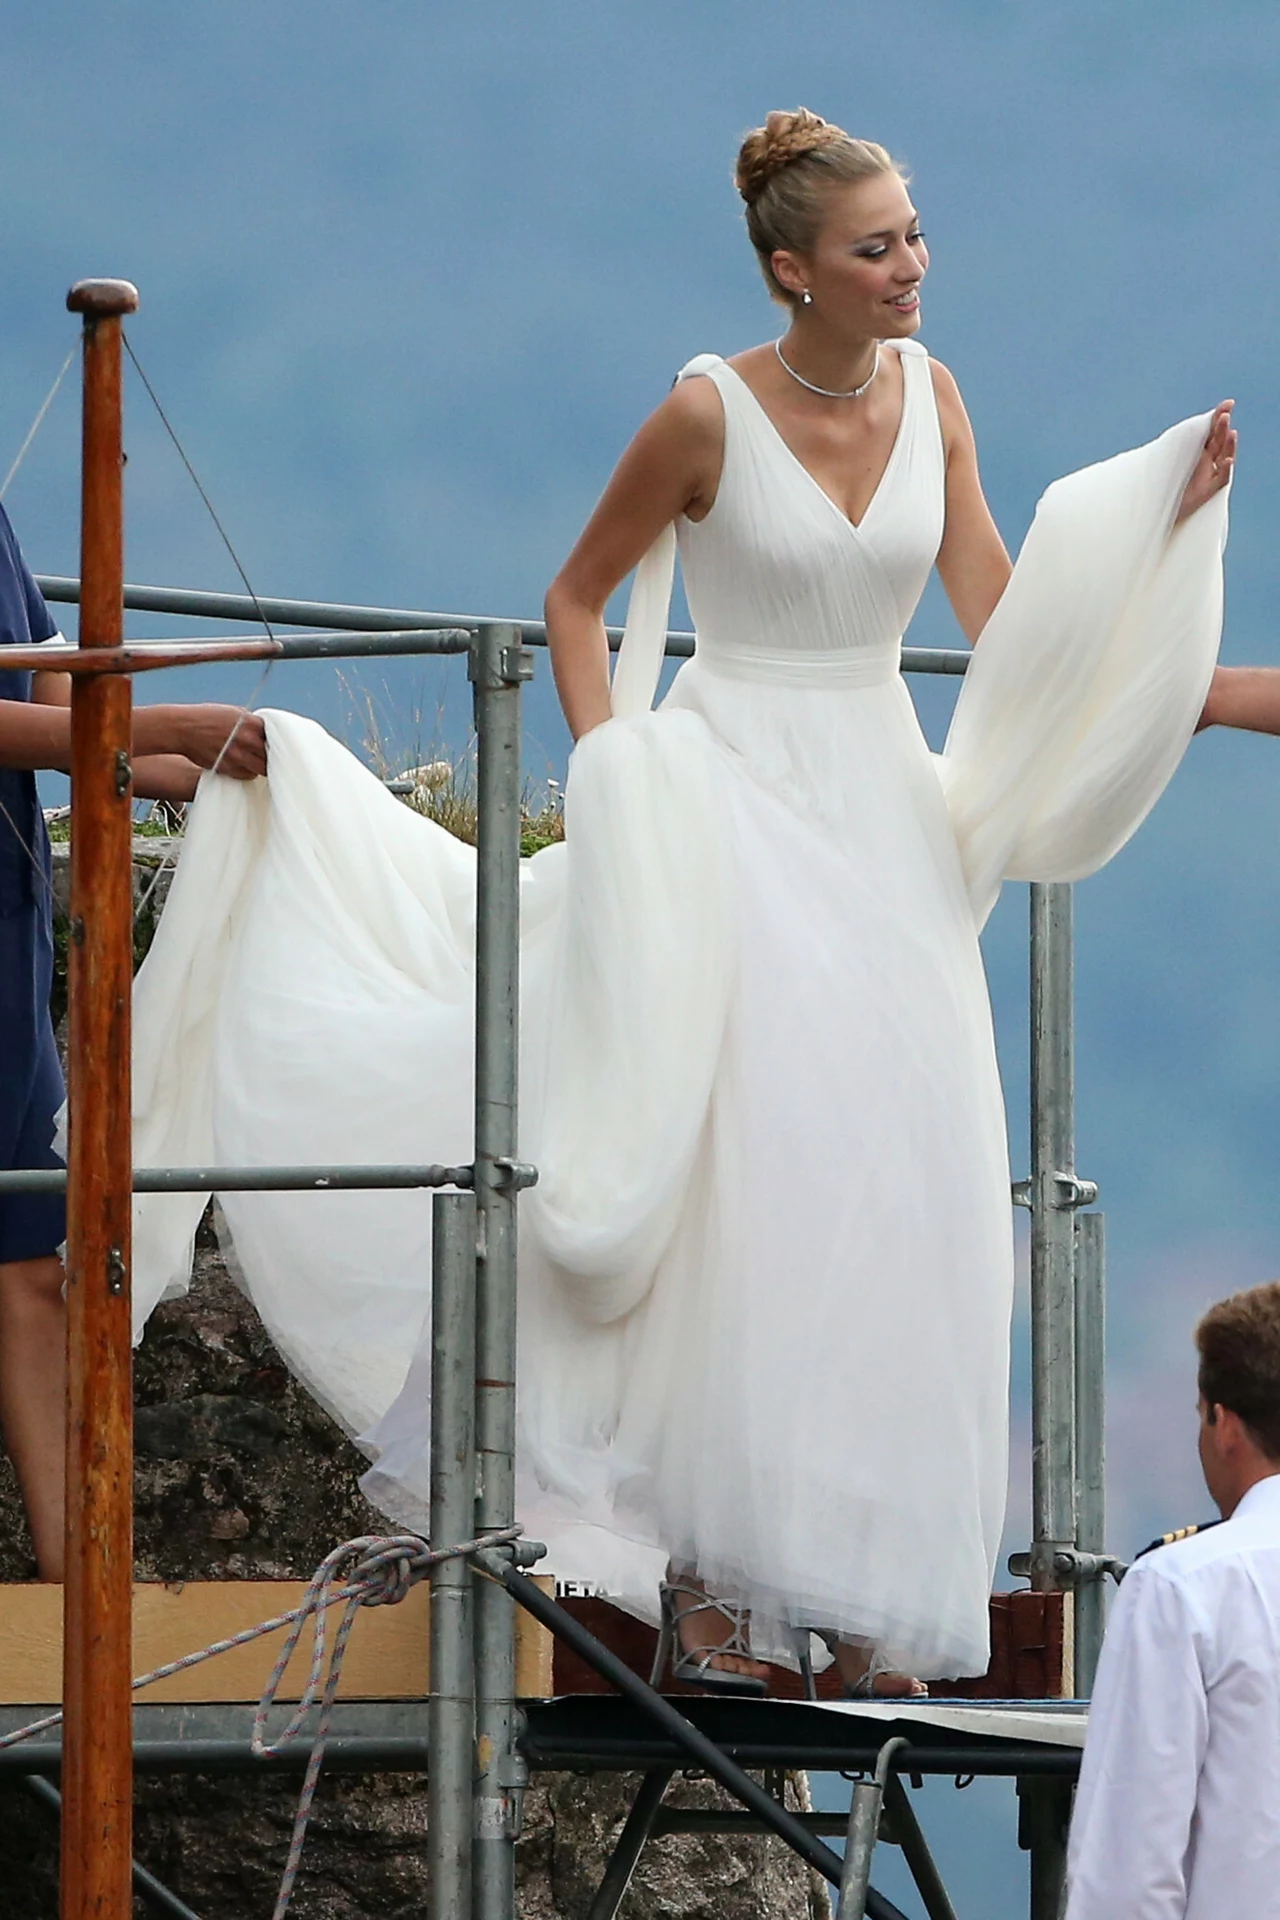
(766,1274)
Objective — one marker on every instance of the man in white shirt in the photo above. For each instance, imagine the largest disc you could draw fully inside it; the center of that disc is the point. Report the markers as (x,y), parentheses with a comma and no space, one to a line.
(1177,1814)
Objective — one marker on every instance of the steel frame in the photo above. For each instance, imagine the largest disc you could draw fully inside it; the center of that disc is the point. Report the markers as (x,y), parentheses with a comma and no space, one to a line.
(478,1757)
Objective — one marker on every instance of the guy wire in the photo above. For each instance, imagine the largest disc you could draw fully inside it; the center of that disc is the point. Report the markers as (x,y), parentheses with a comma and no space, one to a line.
(38,422)
(5,484)
(223,535)
(195,481)
(23,450)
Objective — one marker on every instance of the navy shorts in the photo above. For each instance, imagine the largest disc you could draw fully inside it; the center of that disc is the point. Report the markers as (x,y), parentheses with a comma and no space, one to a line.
(32,1225)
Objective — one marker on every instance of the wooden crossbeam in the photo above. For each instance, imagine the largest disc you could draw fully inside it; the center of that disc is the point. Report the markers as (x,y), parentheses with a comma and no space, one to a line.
(386,1657)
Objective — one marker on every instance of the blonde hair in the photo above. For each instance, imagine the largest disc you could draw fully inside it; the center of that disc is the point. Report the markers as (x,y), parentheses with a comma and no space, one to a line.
(785,170)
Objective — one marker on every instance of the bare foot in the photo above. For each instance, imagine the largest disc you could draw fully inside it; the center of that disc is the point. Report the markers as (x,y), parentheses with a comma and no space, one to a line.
(701,1625)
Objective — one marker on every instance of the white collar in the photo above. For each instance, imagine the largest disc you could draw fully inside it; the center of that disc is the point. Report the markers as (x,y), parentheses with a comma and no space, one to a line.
(1263,1493)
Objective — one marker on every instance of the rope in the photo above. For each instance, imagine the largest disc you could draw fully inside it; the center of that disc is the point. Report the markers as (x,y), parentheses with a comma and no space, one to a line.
(384,1572)
(373,1571)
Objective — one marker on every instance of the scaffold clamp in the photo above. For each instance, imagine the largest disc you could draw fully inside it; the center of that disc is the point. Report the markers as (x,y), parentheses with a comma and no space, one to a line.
(1072,1566)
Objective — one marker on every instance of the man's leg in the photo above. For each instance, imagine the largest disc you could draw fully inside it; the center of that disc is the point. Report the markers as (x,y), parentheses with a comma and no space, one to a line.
(33,1377)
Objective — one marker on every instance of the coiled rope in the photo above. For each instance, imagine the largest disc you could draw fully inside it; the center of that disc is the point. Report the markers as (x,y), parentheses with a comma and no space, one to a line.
(376,1570)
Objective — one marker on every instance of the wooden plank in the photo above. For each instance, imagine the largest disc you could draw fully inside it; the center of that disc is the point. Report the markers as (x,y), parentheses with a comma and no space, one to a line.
(386,1656)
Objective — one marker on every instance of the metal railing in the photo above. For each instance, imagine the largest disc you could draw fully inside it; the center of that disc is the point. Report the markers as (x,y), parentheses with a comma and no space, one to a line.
(392,623)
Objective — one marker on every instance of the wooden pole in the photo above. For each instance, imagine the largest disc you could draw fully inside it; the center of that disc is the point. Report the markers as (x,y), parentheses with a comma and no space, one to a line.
(97,1779)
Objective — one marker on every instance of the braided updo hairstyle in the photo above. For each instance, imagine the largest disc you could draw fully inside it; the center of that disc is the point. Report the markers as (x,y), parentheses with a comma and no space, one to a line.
(785,170)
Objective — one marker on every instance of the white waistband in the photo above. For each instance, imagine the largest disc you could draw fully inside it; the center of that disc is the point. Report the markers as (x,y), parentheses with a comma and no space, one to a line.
(804,666)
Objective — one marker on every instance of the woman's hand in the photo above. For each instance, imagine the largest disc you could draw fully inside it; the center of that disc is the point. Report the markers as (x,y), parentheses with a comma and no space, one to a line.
(1213,468)
(227,739)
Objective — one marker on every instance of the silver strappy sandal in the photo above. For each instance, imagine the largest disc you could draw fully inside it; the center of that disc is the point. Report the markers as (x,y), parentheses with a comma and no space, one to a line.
(864,1687)
(692,1665)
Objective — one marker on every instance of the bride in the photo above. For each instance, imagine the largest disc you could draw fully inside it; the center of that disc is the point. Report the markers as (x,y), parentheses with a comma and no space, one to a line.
(813,482)
(766,1274)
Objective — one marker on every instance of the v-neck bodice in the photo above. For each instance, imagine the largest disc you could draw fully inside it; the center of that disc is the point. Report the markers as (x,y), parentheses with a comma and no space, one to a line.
(782,585)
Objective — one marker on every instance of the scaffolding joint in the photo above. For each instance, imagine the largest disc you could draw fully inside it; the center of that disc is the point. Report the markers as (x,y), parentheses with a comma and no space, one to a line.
(1072,1191)
(512,1176)
(1065,1565)
(1065,1192)
(511,664)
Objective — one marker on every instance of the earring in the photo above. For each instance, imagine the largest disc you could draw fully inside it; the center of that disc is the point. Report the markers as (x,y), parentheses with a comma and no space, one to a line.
(806,298)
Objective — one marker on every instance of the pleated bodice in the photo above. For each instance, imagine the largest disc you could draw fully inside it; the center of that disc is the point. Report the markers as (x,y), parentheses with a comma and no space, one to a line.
(781,584)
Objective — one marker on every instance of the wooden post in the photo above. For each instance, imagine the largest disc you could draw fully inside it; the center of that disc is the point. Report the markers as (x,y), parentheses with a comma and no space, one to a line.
(97,1780)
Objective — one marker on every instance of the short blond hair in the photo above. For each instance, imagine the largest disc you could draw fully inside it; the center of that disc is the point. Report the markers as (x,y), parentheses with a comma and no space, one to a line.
(785,171)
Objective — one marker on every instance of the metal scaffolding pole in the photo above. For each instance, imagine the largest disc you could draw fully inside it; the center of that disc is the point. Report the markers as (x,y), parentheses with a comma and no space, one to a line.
(1053,1324)
(1067,1389)
(499,664)
(1091,1459)
(1054,1196)
(451,1715)
(97,1779)
(1044,1815)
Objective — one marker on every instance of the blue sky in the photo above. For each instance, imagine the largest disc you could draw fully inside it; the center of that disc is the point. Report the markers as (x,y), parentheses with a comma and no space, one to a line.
(412,274)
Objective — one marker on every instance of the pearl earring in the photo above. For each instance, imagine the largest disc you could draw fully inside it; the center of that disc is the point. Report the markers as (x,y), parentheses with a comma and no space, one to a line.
(807,298)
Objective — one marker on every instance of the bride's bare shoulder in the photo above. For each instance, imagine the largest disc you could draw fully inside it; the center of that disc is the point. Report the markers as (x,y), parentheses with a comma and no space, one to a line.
(945,385)
(951,408)
(692,414)
(677,452)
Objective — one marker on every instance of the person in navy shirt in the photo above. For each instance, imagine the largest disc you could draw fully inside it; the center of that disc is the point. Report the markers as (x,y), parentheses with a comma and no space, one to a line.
(171,746)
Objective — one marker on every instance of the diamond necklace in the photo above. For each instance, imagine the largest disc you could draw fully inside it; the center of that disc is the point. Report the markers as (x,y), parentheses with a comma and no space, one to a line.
(852,393)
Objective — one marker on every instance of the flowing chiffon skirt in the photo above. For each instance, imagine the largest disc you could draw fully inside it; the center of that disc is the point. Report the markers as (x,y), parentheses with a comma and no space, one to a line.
(765,1277)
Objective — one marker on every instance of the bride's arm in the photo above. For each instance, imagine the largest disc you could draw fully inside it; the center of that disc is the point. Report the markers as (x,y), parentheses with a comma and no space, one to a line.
(972,562)
(671,467)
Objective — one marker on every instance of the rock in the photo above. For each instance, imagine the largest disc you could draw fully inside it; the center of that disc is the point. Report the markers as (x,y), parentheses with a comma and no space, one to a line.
(231,1525)
(574,1823)
(204,1426)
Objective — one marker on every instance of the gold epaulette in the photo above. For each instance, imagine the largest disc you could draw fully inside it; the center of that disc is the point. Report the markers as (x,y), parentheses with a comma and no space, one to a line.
(1179,1533)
